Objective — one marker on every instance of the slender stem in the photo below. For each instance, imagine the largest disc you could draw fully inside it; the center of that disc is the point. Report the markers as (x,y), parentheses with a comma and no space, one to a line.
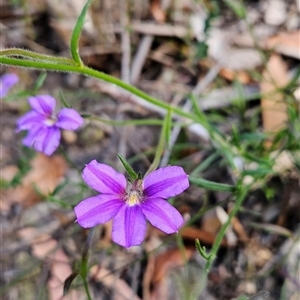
(161,143)
(127,122)
(239,200)
(87,290)
(37,56)
(96,74)
(84,261)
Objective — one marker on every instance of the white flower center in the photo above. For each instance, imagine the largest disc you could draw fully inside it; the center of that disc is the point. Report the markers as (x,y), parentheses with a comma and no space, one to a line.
(133,198)
(134,193)
(50,121)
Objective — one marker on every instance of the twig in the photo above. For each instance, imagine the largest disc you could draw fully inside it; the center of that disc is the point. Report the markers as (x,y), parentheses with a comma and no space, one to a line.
(140,57)
(157,29)
(125,42)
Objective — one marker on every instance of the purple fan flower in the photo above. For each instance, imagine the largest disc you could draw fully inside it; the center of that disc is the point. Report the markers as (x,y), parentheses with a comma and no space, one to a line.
(44,125)
(7,81)
(130,204)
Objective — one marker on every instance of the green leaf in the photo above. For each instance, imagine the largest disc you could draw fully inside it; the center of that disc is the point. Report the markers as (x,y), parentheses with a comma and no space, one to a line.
(40,81)
(202,250)
(63,99)
(273,229)
(206,163)
(68,282)
(163,141)
(210,185)
(132,174)
(167,126)
(77,32)
(237,7)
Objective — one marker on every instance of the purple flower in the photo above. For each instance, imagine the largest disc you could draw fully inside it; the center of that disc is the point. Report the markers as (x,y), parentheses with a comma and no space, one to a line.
(7,81)
(44,126)
(130,204)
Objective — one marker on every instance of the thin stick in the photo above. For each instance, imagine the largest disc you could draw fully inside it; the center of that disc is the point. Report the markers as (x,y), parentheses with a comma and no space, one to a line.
(126,55)
(140,57)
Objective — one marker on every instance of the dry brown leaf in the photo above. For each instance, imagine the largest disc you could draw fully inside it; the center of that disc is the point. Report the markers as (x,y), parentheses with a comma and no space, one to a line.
(157,11)
(122,290)
(44,176)
(273,105)
(287,43)
(161,266)
(168,260)
(42,243)
(190,233)
(241,76)
(60,270)
(204,236)
(44,247)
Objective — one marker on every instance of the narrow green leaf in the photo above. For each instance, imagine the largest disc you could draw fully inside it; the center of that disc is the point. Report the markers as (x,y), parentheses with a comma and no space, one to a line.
(17,52)
(162,142)
(210,185)
(63,99)
(132,174)
(167,127)
(125,122)
(237,6)
(202,250)
(40,81)
(68,282)
(273,229)
(77,32)
(206,163)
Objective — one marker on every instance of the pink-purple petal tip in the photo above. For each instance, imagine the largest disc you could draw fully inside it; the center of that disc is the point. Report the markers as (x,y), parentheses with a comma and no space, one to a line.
(166,182)
(104,178)
(7,81)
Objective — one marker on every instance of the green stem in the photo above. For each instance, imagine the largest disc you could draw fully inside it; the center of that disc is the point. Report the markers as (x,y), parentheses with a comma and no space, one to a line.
(242,192)
(150,122)
(96,74)
(161,143)
(87,290)
(37,57)
(84,261)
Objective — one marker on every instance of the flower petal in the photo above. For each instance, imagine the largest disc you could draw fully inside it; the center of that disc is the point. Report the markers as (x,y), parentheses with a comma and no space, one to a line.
(43,104)
(129,226)
(7,81)
(32,135)
(162,215)
(97,210)
(69,119)
(104,178)
(48,140)
(30,120)
(166,182)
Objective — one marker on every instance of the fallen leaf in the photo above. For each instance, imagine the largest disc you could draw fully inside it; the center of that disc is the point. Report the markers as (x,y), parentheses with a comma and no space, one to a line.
(44,176)
(168,260)
(45,247)
(157,12)
(287,43)
(273,106)
(60,270)
(240,76)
